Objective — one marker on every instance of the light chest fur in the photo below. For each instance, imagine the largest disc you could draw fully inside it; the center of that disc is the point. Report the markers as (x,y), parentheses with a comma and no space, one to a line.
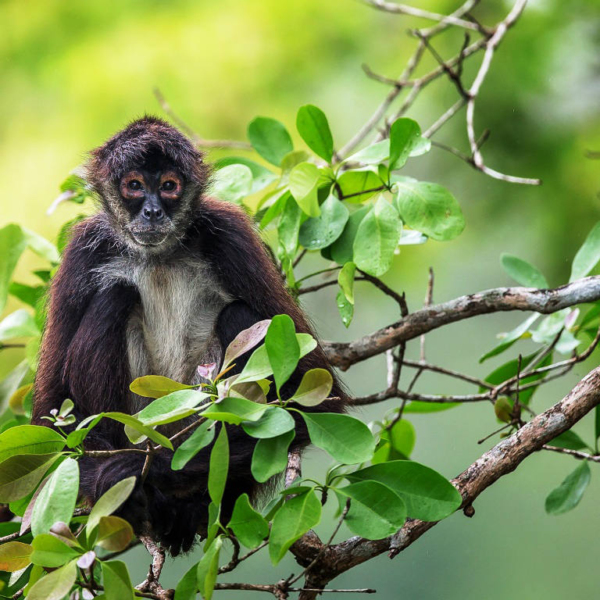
(171,331)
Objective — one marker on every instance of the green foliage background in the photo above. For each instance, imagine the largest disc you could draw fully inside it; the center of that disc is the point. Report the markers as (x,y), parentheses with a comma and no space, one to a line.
(73,72)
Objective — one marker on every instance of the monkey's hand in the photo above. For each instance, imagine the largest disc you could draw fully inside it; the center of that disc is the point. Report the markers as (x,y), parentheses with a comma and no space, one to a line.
(171,521)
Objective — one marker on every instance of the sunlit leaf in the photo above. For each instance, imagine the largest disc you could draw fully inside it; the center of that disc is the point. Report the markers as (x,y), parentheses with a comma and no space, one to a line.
(312,125)
(429,208)
(270,139)
(57,499)
(110,502)
(304,183)
(56,585)
(156,386)
(12,245)
(232,183)
(523,272)
(14,556)
(377,238)
(322,231)
(587,256)
(50,551)
(19,475)
(117,583)
(208,568)
(315,387)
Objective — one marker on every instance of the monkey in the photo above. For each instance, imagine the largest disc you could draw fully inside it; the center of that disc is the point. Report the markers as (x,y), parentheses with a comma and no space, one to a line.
(158,281)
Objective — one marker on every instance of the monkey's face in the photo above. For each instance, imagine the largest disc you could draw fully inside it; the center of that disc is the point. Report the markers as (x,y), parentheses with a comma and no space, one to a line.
(152,198)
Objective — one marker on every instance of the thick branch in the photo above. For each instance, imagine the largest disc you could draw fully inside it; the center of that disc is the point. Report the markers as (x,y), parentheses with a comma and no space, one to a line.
(344,355)
(502,459)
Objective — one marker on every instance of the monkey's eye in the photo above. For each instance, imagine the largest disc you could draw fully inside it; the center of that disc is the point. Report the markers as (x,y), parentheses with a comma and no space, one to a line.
(169,186)
(134,184)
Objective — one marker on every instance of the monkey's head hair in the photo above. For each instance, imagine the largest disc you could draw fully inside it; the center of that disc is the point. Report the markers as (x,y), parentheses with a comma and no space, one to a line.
(128,149)
(135,147)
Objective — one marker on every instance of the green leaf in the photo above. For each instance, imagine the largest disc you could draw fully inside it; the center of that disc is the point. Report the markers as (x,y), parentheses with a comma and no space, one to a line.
(19,475)
(429,407)
(50,551)
(430,209)
(17,325)
(288,228)
(291,522)
(270,139)
(156,386)
(41,246)
(114,533)
(347,439)
(569,440)
(375,510)
(201,438)
(569,493)
(342,250)
(248,525)
(510,338)
(261,177)
(234,410)
(273,422)
(56,501)
(320,232)
(117,583)
(523,272)
(358,185)
(511,368)
(12,245)
(173,407)
(428,495)
(402,437)
(14,556)
(188,585)
(28,294)
(258,366)
(282,348)
(345,308)
(346,280)
(315,387)
(372,155)
(377,238)
(140,427)
(271,456)
(56,585)
(219,466)
(208,569)
(109,502)
(587,256)
(312,125)
(11,383)
(232,183)
(30,439)
(304,185)
(405,134)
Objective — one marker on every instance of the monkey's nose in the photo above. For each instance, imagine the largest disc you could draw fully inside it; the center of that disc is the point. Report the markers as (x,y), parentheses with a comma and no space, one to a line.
(153,214)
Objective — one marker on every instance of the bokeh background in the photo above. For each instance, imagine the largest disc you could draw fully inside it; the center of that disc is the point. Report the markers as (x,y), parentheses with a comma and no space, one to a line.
(71,73)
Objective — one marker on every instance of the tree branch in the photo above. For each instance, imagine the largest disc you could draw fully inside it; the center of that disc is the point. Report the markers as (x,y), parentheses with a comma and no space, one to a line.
(502,459)
(343,355)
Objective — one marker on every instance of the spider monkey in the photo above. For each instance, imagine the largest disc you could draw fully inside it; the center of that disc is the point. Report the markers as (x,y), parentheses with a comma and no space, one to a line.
(159,281)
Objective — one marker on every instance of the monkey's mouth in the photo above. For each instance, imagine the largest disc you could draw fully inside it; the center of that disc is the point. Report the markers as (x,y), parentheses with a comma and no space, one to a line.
(149,237)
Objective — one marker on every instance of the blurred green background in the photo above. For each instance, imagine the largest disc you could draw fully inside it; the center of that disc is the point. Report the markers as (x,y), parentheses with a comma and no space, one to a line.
(71,73)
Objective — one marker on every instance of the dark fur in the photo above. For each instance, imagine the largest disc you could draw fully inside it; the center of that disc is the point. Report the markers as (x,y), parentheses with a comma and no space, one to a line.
(84,355)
